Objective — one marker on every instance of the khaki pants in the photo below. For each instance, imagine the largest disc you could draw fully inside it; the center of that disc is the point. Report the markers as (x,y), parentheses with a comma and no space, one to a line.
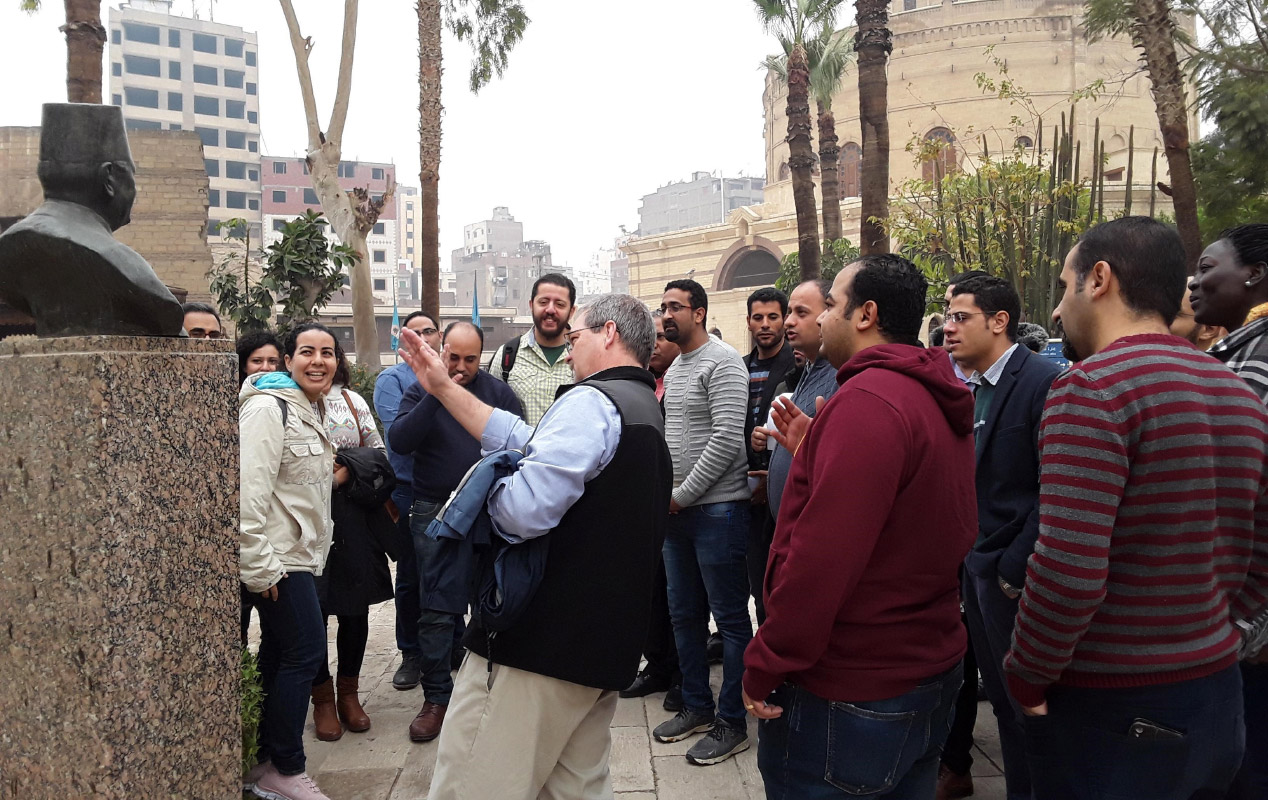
(528,736)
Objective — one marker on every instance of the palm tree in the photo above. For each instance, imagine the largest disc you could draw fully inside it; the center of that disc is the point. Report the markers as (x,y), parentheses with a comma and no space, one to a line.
(494,28)
(1154,33)
(85,42)
(794,23)
(873,42)
(828,53)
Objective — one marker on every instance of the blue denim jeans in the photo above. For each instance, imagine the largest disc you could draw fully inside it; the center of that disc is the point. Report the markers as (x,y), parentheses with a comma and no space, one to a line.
(1085,748)
(882,748)
(292,649)
(438,632)
(406,578)
(706,570)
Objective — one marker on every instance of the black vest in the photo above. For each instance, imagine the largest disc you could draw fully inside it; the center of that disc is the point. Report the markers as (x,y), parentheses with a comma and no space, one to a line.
(588,620)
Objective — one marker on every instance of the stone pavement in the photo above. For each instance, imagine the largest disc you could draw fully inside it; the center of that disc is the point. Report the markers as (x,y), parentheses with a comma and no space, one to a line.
(382,764)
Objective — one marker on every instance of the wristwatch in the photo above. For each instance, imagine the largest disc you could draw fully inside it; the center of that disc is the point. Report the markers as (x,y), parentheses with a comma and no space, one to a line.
(1007,588)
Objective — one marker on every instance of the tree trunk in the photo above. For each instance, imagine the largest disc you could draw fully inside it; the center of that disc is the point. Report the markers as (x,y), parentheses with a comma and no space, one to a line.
(1153,30)
(801,163)
(429,114)
(829,156)
(324,152)
(85,41)
(873,42)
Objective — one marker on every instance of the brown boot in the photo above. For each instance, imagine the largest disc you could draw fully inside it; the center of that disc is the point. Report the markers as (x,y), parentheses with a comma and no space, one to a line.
(350,710)
(324,717)
(426,726)
(952,785)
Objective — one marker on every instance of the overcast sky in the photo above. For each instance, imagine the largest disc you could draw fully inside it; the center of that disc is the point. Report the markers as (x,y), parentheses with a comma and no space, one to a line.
(602,103)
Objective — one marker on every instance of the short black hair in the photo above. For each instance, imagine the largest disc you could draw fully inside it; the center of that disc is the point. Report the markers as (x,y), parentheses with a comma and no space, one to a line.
(426,314)
(768,294)
(1033,336)
(462,323)
(1147,257)
(694,290)
(555,279)
(960,277)
(823,284)
(898,288)
(993,295)
(200,308)
(248,344)
(1250,242)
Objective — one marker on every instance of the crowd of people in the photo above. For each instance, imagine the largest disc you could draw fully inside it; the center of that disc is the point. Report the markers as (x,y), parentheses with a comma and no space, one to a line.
(1091,544)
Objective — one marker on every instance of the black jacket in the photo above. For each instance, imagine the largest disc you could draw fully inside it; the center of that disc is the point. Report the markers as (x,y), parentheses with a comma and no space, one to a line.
(356,574)
(1007,449)
(783,363)
(588,619)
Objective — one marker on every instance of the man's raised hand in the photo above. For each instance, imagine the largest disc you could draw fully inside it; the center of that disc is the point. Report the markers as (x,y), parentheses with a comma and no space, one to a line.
(790,424)
(427,364)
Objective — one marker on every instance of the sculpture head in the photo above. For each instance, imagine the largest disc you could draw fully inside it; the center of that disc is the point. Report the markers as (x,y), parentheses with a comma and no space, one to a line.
(85,159)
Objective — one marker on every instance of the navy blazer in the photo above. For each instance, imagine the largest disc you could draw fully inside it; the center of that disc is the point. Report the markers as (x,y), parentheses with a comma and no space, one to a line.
(1007,447)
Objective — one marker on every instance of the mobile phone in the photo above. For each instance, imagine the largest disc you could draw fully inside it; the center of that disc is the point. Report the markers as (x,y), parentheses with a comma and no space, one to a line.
(1142,728)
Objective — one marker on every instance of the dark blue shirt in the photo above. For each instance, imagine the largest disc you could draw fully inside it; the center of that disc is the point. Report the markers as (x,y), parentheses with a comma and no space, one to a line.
(443,450)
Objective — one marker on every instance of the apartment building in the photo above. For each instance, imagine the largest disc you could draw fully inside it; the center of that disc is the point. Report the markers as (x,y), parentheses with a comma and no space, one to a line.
(174,73)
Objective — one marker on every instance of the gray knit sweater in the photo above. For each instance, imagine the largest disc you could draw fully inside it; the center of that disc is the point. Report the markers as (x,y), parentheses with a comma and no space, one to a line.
(706,399)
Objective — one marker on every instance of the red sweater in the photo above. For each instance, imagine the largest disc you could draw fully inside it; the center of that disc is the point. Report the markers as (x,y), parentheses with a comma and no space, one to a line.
(1153,522)
(862,588)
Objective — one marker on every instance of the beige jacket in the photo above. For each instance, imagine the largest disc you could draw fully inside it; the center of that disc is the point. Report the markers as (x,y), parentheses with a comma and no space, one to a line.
(286,480)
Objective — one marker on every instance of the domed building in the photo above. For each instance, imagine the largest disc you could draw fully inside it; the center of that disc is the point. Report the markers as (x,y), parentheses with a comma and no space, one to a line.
(942,51)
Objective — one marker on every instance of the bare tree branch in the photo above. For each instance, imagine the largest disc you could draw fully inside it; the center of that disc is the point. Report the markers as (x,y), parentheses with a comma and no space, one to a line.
(339,115)
(302,46)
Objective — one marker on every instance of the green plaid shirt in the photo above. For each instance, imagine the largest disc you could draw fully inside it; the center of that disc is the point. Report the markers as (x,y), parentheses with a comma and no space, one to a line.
(533,379)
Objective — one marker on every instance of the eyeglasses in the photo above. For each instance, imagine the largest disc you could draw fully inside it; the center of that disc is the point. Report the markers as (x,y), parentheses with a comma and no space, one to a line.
(570,339)
(674,308)
(430,331)
(199,333)
(961,317)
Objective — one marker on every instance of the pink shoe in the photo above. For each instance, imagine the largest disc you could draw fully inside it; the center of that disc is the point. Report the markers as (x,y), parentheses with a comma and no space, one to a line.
(273,785)
(254,774)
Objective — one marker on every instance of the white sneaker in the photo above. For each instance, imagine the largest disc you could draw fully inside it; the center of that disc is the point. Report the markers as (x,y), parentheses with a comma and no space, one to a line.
(273,785)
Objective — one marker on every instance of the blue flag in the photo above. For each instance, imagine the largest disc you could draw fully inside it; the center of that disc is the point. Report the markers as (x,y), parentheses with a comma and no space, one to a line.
(396,325)
(475,305)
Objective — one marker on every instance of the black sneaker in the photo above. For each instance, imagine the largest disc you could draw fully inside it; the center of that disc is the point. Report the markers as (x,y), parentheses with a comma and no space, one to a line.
(722,742)
(409,673)
(673,698)
(684,724)
(644,684)
(714,648)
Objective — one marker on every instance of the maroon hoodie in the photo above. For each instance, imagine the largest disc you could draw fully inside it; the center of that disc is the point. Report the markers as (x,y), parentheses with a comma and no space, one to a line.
(862,587)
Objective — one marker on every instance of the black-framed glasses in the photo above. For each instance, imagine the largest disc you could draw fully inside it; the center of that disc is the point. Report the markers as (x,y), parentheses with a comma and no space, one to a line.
(570,339)
(674,308)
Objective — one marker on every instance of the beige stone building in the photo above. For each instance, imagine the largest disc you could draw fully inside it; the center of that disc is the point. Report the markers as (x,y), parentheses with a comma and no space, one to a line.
(940,48)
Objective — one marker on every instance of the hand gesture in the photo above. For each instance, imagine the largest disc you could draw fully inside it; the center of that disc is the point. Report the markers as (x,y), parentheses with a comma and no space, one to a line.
(760,709)
(790,424)
(428,365)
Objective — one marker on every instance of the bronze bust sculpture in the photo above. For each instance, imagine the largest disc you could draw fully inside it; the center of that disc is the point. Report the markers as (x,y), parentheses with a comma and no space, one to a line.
(61,264)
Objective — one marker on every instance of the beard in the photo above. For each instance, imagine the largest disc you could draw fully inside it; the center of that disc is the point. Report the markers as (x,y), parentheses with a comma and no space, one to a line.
(541,322)
(1068,352)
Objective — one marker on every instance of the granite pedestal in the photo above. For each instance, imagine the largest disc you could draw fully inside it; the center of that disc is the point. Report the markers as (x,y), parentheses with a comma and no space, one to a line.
(119,648)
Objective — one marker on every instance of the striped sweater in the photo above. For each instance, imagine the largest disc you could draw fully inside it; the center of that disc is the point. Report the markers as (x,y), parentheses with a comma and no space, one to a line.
(706,403)
(1153,532)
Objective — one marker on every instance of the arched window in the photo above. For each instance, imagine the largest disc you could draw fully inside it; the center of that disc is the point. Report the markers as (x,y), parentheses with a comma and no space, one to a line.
(849,170)
(1025,142)
(784,172)
(941,158)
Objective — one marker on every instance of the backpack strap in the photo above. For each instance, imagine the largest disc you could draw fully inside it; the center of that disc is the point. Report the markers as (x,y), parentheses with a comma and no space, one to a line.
(282,405)
(509,352)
